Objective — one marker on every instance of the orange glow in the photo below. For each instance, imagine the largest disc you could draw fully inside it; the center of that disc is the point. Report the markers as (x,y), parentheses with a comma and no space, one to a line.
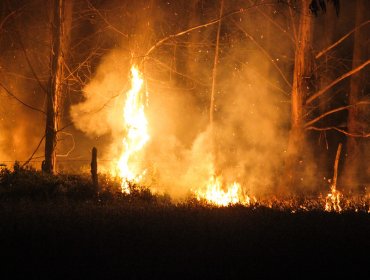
(332,201)
(215,193)
(136,125)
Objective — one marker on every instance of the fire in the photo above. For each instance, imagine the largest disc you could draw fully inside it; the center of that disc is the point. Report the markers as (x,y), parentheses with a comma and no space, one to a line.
(215,193)
(332,201)
(136,126)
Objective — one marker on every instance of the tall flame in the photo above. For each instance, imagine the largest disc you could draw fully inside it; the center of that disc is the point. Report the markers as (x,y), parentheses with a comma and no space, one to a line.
(136,125)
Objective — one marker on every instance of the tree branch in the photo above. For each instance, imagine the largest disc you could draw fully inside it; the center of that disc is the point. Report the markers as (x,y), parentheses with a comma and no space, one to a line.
(20,101)
(265,53)
(363,135)
(334,111)
(340,40)
(278,26)
(34,152)
(293,25)
(335,175)
(6,18)
(29,63)
(322,91)
(73,144)
(91,6)
(242,10)
(214,70)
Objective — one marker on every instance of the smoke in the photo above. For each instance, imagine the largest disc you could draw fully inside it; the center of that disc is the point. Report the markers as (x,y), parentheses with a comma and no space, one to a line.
(20,127)
(248,131)
(249,135)
(104,97)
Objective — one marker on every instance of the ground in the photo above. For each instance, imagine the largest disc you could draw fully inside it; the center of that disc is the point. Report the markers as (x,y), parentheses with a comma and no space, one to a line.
(146,240)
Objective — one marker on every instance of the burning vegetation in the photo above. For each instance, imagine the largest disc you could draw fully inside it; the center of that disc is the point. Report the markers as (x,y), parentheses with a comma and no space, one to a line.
(225,102)
(137,136)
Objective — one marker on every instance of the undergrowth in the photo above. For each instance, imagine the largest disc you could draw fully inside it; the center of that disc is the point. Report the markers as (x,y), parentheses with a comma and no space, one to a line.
(26,183)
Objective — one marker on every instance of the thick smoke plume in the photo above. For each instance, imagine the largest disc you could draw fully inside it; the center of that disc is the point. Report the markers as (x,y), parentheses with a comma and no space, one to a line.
(248,132)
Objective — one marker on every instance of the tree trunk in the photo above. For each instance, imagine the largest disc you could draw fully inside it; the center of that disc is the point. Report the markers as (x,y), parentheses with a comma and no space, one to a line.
(352,163)
(60,25)
(213,92)
(192,61)
(94,169)
(325,77)
(300,89)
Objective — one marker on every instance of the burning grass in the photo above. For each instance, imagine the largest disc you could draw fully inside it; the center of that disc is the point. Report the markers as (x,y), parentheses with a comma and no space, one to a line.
(28,183)
(54,223)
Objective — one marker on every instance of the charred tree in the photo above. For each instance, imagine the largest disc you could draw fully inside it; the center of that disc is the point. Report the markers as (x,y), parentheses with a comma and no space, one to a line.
(300,90)
(94,168)
(352,168)
(60,25)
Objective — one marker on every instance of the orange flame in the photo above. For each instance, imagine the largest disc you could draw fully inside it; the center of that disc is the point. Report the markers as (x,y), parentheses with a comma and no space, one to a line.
(332,201)
(136,125)
(215,193)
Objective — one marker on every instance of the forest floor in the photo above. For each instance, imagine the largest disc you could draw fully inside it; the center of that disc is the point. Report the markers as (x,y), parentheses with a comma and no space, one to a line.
(144,240)
(57,227)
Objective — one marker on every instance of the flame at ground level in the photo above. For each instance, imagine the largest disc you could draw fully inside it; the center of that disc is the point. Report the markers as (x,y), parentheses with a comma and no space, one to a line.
(333,200)
(214,191)
(217,194)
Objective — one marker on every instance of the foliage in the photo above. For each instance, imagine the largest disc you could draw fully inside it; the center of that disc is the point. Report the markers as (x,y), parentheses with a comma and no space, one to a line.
(28,183)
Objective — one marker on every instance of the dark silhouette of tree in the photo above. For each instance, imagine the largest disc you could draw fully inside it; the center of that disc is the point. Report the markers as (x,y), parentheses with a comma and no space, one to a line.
(353,166)
(61,22)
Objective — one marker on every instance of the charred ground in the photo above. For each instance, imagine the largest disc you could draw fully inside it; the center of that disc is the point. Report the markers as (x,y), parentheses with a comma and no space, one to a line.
(59,227)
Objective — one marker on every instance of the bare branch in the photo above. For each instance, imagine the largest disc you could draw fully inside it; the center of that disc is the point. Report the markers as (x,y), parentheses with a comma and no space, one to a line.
(178,73)
(325,89)
(29,63)
(267,80)
(20,101)
(359,135)
(64,127)
(91,6)
(214,70)
(335,175)
(278,26)
(6,18)
(34,152)
(293,25)
(165,39)
(341,40)
(334,111)
(265,53)
(73,144)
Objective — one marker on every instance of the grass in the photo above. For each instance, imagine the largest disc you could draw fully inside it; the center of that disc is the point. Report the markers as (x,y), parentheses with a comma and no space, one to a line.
(57,226)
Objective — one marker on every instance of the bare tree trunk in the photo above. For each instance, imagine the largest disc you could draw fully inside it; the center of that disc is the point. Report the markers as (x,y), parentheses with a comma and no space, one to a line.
(302,67)
(215,63)
(94,169)
(194,39)
(213,89)
(352,163)
(325,76)
(61,15)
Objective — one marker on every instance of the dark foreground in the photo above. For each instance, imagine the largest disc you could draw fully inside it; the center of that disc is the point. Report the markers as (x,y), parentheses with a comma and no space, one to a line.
(126,241)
